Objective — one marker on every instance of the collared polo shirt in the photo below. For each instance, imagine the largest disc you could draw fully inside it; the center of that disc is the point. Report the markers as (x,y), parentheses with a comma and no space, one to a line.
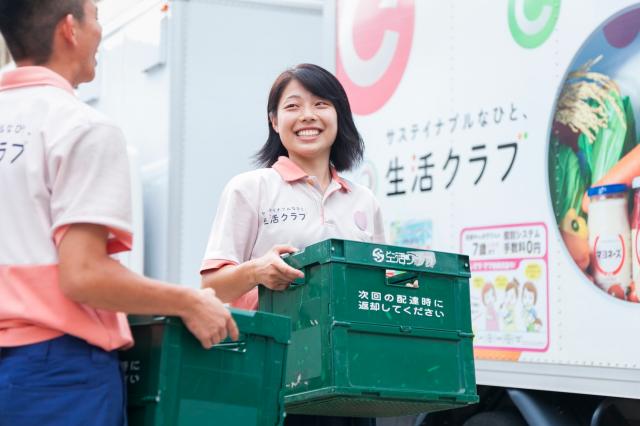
(283,205)
(61,162)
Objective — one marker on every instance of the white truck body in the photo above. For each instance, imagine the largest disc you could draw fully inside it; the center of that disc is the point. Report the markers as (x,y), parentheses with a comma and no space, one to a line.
(455,87)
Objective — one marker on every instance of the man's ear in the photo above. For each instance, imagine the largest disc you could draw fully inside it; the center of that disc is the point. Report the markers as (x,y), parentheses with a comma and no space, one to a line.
(67,29)
(274,122)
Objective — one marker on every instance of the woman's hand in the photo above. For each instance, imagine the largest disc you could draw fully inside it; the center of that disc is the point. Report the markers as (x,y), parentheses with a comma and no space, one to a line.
(271,271)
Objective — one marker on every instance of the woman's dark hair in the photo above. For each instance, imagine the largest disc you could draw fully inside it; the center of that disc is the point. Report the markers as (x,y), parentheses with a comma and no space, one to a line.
(348,148)
(28,25)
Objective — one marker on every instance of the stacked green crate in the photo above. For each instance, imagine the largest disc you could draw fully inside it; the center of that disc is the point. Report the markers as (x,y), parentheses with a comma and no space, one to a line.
(172,380)
(365,343)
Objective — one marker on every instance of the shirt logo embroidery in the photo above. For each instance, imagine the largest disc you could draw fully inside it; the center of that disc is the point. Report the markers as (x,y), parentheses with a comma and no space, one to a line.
(275,215)
(12,142)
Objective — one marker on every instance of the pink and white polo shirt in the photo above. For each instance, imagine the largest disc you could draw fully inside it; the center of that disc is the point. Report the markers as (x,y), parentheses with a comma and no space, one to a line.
(61,162)
(283,205)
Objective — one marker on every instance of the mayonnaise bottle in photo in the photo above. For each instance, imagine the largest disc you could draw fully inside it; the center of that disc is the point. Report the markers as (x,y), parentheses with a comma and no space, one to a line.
(635,224)
(610,238)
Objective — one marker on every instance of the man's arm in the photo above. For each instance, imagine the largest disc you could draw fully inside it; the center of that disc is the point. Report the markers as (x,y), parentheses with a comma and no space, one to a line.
(89,276)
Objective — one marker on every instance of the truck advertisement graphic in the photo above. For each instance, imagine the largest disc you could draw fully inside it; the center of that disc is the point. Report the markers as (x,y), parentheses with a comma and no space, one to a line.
(486,124)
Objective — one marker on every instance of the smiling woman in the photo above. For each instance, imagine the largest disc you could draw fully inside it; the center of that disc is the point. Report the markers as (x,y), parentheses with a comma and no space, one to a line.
(306,125)
(297,199)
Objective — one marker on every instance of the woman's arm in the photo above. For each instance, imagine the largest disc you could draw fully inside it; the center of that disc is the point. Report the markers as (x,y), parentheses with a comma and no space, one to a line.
(232,281)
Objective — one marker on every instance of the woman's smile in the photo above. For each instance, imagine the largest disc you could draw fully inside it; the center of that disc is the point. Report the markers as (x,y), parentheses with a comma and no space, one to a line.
(307,124)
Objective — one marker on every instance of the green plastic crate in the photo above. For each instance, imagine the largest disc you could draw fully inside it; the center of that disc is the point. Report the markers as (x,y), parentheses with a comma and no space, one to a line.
(370,345)
(172,380)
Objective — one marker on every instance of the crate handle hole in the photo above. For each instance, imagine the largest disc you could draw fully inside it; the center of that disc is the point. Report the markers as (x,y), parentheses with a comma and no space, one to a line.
(231,346)
(395,278)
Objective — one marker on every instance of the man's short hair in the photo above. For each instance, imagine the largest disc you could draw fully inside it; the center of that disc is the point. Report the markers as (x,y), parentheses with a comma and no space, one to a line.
(28,25)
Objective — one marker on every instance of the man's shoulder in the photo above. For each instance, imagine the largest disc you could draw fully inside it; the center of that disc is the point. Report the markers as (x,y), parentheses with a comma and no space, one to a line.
(53,112)
(68,119)
(69,109)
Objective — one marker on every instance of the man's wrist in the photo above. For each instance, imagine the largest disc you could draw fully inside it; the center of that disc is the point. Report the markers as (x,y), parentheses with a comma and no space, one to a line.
(186,301)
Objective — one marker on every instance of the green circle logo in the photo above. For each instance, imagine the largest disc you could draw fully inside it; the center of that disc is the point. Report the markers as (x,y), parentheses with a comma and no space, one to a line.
(532,21)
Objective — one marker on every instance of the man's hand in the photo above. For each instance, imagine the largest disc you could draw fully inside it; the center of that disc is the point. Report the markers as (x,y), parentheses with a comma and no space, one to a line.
(209,320)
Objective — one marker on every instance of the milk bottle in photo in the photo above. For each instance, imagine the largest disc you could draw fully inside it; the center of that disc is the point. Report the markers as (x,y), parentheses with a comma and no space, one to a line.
(610,238)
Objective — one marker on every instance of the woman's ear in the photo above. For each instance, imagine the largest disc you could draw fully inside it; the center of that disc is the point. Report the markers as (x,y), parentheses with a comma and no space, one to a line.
(274,122)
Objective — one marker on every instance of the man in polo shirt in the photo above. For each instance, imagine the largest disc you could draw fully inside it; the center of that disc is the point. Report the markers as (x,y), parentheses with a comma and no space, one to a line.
(65,207)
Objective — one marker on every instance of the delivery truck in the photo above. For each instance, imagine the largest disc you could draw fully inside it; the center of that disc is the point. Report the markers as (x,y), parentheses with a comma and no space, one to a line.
(502,130)
(489,127)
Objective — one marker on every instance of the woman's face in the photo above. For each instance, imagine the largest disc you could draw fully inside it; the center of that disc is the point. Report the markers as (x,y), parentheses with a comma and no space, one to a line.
(307,124)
